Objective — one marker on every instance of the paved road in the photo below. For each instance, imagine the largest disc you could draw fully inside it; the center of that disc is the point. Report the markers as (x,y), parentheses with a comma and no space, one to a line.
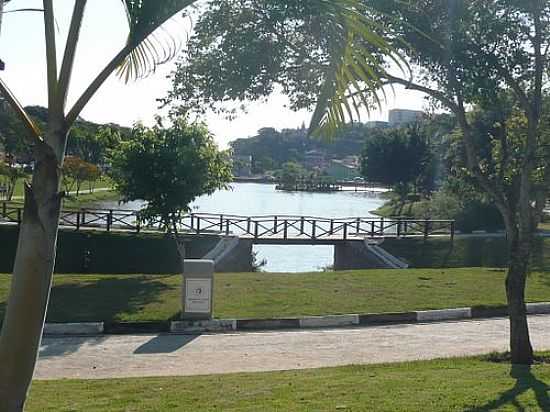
(179,355)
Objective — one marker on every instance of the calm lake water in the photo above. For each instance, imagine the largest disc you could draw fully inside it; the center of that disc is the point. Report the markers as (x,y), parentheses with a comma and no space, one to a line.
(252,199)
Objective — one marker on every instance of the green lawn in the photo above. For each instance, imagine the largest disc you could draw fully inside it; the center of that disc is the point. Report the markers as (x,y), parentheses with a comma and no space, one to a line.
(471,384)
(104,182)
(86,199)
(262,295)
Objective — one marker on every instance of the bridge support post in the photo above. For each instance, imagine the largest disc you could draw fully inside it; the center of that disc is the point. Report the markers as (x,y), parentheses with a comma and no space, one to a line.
(354,254)
(238,259)
(351,255)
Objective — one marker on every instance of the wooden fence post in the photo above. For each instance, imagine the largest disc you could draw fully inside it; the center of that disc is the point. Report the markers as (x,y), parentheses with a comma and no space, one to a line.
(399,227)
(453,231)
(426,229)
(109,220)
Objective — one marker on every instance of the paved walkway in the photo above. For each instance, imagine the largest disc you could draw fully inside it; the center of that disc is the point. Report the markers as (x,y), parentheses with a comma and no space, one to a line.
(179,355)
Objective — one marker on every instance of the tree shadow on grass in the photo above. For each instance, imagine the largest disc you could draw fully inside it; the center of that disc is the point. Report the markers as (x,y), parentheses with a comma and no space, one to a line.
(108,299)
(525,381)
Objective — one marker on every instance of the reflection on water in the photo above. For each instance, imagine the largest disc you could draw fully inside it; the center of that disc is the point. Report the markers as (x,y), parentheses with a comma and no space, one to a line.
(251,199)
(295,258)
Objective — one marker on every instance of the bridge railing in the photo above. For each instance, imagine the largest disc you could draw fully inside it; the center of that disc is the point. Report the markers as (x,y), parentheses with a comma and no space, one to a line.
(257,227)
(312,227)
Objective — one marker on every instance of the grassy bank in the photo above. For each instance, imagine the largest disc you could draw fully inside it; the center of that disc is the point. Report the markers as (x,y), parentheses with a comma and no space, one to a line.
(104,182)
(89,200)
(471,384)
(262,295)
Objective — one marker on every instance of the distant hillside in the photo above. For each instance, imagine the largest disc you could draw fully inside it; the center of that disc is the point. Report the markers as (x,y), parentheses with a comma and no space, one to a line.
(83,139)
(270,149)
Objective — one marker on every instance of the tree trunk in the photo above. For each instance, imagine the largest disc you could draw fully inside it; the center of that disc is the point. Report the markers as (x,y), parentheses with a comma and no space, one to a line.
(11,187)
(31,281)
(180,245)
(520,343)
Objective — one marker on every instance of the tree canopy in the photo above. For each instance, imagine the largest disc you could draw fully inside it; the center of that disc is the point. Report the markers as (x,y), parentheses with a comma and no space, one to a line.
(168,167)
(399,158)
(317,52)
(492,57)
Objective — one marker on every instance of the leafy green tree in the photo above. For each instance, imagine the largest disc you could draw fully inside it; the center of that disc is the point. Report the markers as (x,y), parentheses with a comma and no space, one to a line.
(492,55)
(77,171)
(92,144)
(87,140)
(290,175)
(10,174)
(169,168)
(93,175)
(319,53)
(10,133)
(401,159)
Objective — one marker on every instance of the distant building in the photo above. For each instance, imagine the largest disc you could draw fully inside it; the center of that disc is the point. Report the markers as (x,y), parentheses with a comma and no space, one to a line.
(399,117)
(315,159)
(377,124)
(242,166)
(344,169)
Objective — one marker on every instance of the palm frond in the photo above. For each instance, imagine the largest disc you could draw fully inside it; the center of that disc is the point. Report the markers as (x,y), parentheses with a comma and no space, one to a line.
(152,44)
(352,81)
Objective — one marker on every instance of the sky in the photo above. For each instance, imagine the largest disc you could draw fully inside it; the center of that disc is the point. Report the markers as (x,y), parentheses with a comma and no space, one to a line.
(103,34)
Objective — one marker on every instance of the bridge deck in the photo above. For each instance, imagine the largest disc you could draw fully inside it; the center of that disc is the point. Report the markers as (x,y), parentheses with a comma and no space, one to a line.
(263,229)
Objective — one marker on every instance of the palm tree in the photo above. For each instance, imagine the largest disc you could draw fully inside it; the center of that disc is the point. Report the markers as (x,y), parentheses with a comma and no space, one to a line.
(32,274)
(34,263)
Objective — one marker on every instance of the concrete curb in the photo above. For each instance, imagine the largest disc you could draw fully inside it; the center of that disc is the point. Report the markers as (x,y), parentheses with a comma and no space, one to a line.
(88,328)
(443,314)
(538,308)
(306,322)
(215,325)
(332,321)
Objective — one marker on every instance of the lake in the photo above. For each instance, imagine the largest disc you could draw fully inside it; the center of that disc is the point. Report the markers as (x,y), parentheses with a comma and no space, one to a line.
(252,199)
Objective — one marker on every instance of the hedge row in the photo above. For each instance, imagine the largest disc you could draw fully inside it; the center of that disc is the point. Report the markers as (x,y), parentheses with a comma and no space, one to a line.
(112,253)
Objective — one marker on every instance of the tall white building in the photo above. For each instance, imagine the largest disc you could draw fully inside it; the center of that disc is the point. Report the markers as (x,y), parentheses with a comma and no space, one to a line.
(398,117)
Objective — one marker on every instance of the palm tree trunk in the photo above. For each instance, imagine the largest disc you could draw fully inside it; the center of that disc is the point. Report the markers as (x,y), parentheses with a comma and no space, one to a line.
(520,344)
(31,280)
